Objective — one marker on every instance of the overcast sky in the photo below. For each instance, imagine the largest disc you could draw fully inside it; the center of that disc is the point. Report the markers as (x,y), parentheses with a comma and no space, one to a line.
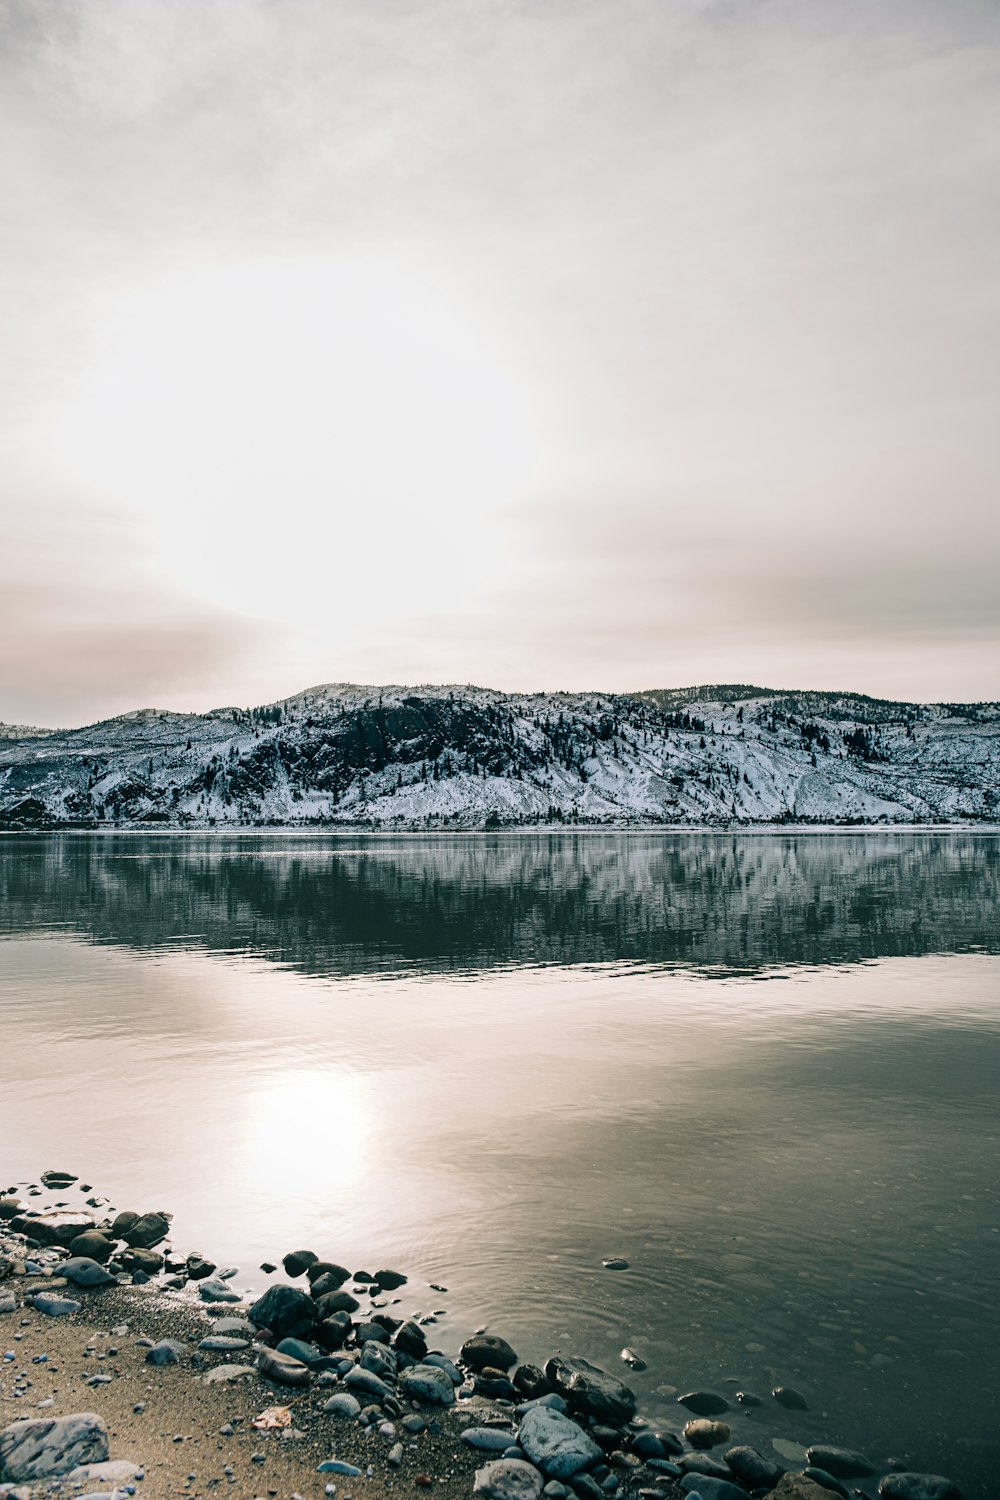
(532,343)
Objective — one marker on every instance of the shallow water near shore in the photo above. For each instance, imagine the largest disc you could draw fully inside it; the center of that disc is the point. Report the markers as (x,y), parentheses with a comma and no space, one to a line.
(762,1068)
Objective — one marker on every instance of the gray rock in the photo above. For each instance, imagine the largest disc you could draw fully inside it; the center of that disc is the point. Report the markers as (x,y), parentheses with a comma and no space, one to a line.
(555,1443)
(487,1439)
(590,1389)
(704,1433)
(115,1472)
(46,1447)
(240,1328)
(712,1489)
(146,1231)
(395,1455)
(141,1259)
(285,1310)
(166,1352)
(410,1340)
(842,1463)
(338,1466)
(226,1374)
(791,1399)
(508,1479)
(59,1227)
(427,1383)
(452,1371)
(326,1268)
(198,1267)
(83,1271)
(381,1361)
(306,1354)
(704,1403)
(327,1304)
(123,1221)
(343,1404)
(55,1307)
(282,1367)
(8,1302)
(366,1384)
(753,1468)
(551,1400)
(912,1486)
(214,1290)
(555,1491)
(297,1262)
(825,1478)
(222,1343)
(487,1351)
(58,1180)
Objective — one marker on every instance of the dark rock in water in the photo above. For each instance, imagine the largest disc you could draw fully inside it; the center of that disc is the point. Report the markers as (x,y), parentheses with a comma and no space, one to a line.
(494,1386)
(911,1486)
(390,1324)
(710,1488)
(45,1448)
(798,1486)
(390,1281)
(123,1221)
(285,1310)
(791,1399)
(93,1244)
(754,1469)
(615,1263)
(590,1389)
(147,1231)
(296,1262)
(633,1360)
(586,1486)
(332,1302)
(212,1290)
(267,1268)
(139,1278)
(704,1403)
(747,1398)
(703,1463)
(410,1340)
(332,1332)
(530,1382)
(58,1179)
(704,1433)
(485,1349)
(83,1271)
(338,1274)
(9,1207)
(609,1438)
(842,1463)
(197,1267)
(671,1442)
(827,1480)
(282,1367)
(140,1259)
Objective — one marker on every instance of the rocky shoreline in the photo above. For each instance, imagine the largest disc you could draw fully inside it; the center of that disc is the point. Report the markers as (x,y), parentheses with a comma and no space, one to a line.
(129,1369)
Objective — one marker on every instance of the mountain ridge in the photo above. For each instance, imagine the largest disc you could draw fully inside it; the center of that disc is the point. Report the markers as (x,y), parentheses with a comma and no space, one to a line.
(433,756)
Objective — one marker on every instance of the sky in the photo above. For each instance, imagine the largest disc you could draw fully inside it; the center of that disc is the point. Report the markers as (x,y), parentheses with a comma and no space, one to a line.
(539,344)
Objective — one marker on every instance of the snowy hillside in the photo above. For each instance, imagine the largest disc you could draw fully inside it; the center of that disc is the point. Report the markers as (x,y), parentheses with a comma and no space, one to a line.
(463,757)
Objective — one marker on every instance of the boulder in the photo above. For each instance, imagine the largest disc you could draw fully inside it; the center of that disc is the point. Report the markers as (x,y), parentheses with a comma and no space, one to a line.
(297,1262)
(83,1271)
(60,1227)
(590,1389)
(285,1310)
(146,1231)
(44,1448)
(555,1443)
(753,1468)
(93,1244)
(427,1383)
(320,1268)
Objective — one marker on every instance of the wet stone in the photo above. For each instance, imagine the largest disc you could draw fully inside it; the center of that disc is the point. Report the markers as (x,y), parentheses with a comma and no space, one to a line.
(791,1399)
(754,1469)
(557,1444)
(592,1390)
(487,1351)
(704,1433)
(427,1383)
(487,1439)
(704,1403)
(914,1486)
(297,1262)
(712,1489)
(842,1463)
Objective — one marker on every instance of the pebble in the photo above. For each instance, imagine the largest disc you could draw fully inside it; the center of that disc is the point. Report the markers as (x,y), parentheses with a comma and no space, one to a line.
(337,1466)
(343,1404)
(54,1306)
(488,1439)
(216,1290)
(791,1399)
(752,1467)
(166,1352)
(703,1433)
(282,1367)
(226,1374)
(712,1489)
(615,1263)
(222,1342)
(633,1360)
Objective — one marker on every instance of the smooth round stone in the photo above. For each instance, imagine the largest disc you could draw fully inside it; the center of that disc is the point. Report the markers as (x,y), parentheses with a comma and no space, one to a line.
(57,1180)
(842,1463)
(647,1445)
(555,1443)
(702,1463)
(222,1344)
(343,1404)
(338,1466)
(488,1439)
(83,1271)
(329,1303)
(332,1332)
(826,1479)
(507,1479)
(486,1351)
(913,1486)
(452,1371)
(754,1469)
(166,1352)
(300,1350)
(297,1262)
(282,1367)
(555,1491)
(318,1268)
(366,1333)
(366,1384)
(615,1263)
(240,1328)
(427,1383)
(122,1222)
(226,1374)
(217,1291)
(92,1244)
(791,1399)
(704,1433)
(704,1403)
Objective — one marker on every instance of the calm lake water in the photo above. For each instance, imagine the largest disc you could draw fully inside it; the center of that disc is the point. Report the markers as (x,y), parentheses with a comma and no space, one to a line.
(764,1068)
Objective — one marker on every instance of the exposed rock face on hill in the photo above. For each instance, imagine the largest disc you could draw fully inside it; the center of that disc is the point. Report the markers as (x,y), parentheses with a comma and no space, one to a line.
(472,758)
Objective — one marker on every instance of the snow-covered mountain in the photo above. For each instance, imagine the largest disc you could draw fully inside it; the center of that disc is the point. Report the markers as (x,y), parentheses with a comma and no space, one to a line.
(466,757)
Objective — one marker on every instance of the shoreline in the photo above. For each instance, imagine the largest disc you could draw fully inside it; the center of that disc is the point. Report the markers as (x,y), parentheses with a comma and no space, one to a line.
(336,830)
(344,1369)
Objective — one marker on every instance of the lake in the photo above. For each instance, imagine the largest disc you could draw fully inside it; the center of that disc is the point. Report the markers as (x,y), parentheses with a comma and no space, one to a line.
(762,1067)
